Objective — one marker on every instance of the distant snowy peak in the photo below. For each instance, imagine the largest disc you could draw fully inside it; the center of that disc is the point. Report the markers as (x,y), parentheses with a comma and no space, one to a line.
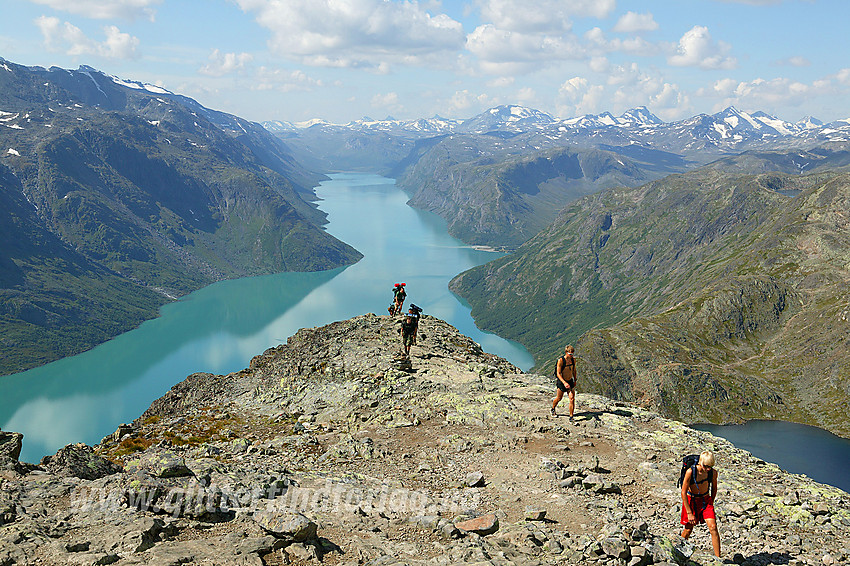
(279,126)
(511,117)
(422,126)
(636,117)
(639,115)
(809,123)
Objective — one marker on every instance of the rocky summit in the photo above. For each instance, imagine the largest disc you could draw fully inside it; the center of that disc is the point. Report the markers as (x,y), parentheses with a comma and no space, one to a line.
(336,449)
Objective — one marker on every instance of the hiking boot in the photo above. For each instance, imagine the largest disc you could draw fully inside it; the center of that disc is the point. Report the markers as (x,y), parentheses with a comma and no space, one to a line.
(572,420)
(552,412)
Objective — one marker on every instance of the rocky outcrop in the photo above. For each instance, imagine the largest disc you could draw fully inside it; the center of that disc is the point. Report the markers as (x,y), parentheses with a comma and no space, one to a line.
(322,452)
(10,446)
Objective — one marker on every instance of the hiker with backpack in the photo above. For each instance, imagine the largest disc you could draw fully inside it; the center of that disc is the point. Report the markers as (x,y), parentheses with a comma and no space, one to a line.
(699,487)
(565,380)
(409,326)
(399,294)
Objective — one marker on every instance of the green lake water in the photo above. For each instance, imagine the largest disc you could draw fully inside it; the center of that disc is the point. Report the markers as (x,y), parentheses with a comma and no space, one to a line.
(218,329)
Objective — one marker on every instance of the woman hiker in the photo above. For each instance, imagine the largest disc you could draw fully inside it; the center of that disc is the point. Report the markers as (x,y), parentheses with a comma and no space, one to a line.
(698,491)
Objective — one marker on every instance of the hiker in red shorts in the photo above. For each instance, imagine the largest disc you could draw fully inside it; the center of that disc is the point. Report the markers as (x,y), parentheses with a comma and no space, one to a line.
(698,491)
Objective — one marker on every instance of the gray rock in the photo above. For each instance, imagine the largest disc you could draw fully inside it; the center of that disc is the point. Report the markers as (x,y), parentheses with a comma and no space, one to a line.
(571,482)
(593,482)
(450,531)
(161,465)
(475,479)
(535,514)
(10,446)
(290,526)
(257,545)
(302,552)
(616,547)
(80,461)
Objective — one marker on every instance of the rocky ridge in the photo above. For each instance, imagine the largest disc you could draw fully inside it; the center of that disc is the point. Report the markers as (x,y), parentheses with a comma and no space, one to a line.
(333,449)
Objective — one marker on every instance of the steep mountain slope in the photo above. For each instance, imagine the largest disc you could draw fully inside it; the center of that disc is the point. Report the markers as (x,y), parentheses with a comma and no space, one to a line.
(491,196)
(146,186)
(53,300)
(705,295)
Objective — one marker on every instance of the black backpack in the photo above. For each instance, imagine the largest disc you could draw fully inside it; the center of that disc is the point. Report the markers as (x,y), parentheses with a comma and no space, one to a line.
(690,461)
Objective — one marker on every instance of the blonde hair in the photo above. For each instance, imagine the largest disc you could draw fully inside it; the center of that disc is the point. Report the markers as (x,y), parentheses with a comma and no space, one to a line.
(707,459)
(569,349)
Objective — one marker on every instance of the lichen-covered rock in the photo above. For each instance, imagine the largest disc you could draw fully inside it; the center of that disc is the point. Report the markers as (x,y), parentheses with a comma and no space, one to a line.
(161,465)
(80,461)
(285,525)
(10,446)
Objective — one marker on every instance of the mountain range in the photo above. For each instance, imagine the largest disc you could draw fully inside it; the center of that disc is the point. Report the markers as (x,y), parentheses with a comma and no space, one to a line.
(701,138)
(461,169)
(121,196)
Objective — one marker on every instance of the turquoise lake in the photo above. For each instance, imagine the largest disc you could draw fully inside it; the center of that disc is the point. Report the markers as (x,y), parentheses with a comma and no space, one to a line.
(219,329)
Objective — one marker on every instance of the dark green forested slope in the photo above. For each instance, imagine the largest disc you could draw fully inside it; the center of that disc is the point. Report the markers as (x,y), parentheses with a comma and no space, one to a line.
(708,296)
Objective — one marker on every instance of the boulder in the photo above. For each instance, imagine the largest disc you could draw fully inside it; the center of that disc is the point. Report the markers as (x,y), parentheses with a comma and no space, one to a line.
(161,465)
(79,461)
(483,525)
(292,526)
(475,479)
(10,446)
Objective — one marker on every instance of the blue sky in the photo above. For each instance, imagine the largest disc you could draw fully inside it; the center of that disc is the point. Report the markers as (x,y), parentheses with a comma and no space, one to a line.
(341,60)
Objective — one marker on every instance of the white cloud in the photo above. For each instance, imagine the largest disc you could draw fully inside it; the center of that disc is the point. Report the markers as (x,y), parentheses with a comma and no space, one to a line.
(796,62)
(70,39)
(463,101)
(545,16)
(752,2)
(501,82)
(576,96)
(761,93)
(599,64)
(640,88)
(526,95)
(597,41)
(105,9)
(355,33)
(632,22)
(495,47)
(389,102)
(698,49)
(284,81)
(225,63)
(843,76)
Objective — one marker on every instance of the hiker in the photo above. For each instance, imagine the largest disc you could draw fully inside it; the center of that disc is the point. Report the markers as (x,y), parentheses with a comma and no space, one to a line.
(565,380)
(399,294)
(408,331)
(699,487)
